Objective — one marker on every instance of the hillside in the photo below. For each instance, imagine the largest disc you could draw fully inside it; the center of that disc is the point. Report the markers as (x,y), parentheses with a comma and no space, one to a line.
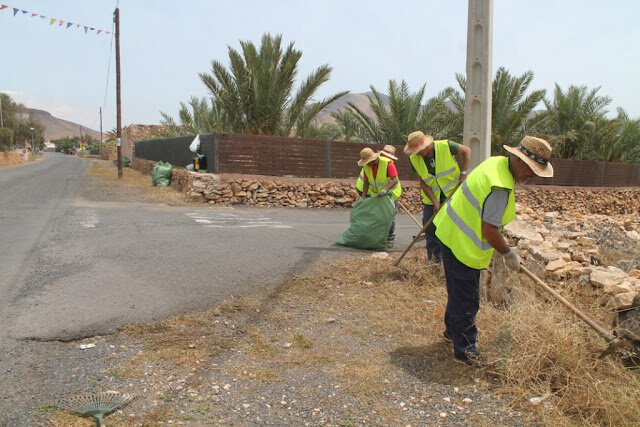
(57,128)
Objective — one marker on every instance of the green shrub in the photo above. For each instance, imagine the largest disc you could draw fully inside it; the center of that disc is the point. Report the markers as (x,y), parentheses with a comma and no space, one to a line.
(6,139)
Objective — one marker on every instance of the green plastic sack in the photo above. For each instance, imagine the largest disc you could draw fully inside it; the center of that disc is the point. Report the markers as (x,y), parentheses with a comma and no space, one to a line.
(161,174)
(125,162)
(370,221)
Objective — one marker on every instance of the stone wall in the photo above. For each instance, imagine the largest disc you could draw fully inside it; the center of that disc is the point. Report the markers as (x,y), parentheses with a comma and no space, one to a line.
(260,190)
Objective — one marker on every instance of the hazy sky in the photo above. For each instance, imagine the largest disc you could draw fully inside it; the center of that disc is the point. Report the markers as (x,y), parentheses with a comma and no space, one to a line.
(164,45)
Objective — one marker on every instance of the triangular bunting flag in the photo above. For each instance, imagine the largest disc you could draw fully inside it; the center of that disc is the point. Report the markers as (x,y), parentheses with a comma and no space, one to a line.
(85,29)
(43,17)
(15,11)
(3,6)
(24,11)
(52,20)
(61,22)
(91,28)
(77,25)
(34,14)
(69,24)
(99,31)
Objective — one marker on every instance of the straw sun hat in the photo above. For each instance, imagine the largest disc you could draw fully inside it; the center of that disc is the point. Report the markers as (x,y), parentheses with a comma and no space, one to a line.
(389,151)
(536,153)
(367,155)
(417,141)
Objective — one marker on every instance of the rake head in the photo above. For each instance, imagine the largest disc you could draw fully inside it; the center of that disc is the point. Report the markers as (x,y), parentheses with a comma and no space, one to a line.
(97,405)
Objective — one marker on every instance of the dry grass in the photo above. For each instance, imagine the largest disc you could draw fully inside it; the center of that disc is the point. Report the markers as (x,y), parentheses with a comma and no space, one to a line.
(537,347)
(10,159)
(105,176)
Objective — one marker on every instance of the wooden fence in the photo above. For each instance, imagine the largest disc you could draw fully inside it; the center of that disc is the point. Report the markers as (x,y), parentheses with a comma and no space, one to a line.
(301,157)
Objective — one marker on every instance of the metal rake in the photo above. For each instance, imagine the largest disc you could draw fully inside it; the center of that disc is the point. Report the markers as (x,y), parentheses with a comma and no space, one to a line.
(97,405)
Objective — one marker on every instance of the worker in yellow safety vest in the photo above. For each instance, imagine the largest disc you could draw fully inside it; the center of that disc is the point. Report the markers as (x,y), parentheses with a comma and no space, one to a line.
(389,152)
(469,228)
(379,179)
(440,166)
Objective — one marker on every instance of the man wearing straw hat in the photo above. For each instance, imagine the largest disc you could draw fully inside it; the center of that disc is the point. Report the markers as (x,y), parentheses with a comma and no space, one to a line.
(440,166)
(388,151)
(469,226)
(379,178)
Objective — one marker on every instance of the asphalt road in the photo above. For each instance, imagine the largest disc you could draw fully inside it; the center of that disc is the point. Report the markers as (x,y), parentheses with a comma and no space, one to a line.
(78,263)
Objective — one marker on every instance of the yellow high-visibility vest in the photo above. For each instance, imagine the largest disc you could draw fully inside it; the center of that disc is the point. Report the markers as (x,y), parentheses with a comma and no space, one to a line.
(447,171)
(360,183)
(381,180)
(459,222)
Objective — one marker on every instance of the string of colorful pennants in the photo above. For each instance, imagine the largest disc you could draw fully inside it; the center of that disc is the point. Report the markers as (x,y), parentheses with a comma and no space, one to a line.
(61,22)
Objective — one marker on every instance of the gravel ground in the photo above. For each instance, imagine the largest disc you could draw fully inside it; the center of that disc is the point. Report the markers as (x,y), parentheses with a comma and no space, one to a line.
(249,363)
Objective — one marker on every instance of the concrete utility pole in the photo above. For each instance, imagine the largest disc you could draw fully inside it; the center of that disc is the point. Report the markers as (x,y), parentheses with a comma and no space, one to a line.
(477,106)
(116,18)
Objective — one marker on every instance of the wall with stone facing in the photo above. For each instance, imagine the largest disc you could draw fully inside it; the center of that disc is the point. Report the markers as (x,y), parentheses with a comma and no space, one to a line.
(260,190)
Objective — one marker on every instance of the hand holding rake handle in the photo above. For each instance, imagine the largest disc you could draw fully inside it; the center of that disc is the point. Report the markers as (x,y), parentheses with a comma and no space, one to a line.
(424,227)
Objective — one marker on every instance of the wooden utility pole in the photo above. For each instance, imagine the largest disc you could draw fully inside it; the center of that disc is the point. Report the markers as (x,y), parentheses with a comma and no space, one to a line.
(100,149)
(116,19)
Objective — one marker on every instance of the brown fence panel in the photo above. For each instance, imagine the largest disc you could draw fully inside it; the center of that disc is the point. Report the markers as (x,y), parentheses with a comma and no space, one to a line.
(620,175)
(271,155)
(345,156)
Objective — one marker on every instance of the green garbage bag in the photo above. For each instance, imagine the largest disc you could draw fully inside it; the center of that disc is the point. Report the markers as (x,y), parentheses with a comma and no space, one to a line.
(125,162)
(161,174)
(369,224)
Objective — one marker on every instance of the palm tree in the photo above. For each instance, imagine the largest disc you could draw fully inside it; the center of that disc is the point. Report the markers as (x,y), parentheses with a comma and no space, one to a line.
(624,146)
(574,121)
(510,106)
(198,117)
(256,91)
(403,115)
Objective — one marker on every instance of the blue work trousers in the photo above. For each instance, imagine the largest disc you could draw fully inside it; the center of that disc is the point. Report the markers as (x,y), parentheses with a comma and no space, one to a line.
(391,237)
(433,243)
(463,302)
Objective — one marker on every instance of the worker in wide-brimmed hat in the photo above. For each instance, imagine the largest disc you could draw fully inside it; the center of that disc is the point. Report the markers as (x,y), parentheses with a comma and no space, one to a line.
(389,152)
(440,166)
(380,177)
(469,226)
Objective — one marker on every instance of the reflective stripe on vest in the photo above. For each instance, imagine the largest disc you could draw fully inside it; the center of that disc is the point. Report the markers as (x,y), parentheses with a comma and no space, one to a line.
(447,171)
(360,183)
(381,180)
(459,224)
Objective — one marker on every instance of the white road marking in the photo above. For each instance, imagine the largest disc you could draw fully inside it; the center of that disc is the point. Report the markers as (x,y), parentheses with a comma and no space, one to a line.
(227,220)
(90,220)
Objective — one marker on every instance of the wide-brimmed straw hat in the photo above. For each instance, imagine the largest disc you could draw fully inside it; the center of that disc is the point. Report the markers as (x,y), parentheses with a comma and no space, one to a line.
(389,151)
(367,155)
(536,153)
(417,141)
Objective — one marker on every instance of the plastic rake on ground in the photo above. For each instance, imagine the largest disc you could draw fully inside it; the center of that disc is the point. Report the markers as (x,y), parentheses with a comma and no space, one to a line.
(97,405)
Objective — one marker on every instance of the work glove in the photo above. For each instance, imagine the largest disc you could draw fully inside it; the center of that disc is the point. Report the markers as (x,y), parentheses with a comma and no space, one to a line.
(382,192)
(512,260)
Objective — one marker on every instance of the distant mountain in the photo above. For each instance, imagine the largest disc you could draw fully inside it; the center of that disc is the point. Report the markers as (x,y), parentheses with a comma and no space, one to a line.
(55,128)
(360,100)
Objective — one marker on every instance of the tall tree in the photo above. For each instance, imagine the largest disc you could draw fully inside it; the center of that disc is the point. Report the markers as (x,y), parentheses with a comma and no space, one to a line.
(403,115)
(575,121)
(510,106)
(256,92)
